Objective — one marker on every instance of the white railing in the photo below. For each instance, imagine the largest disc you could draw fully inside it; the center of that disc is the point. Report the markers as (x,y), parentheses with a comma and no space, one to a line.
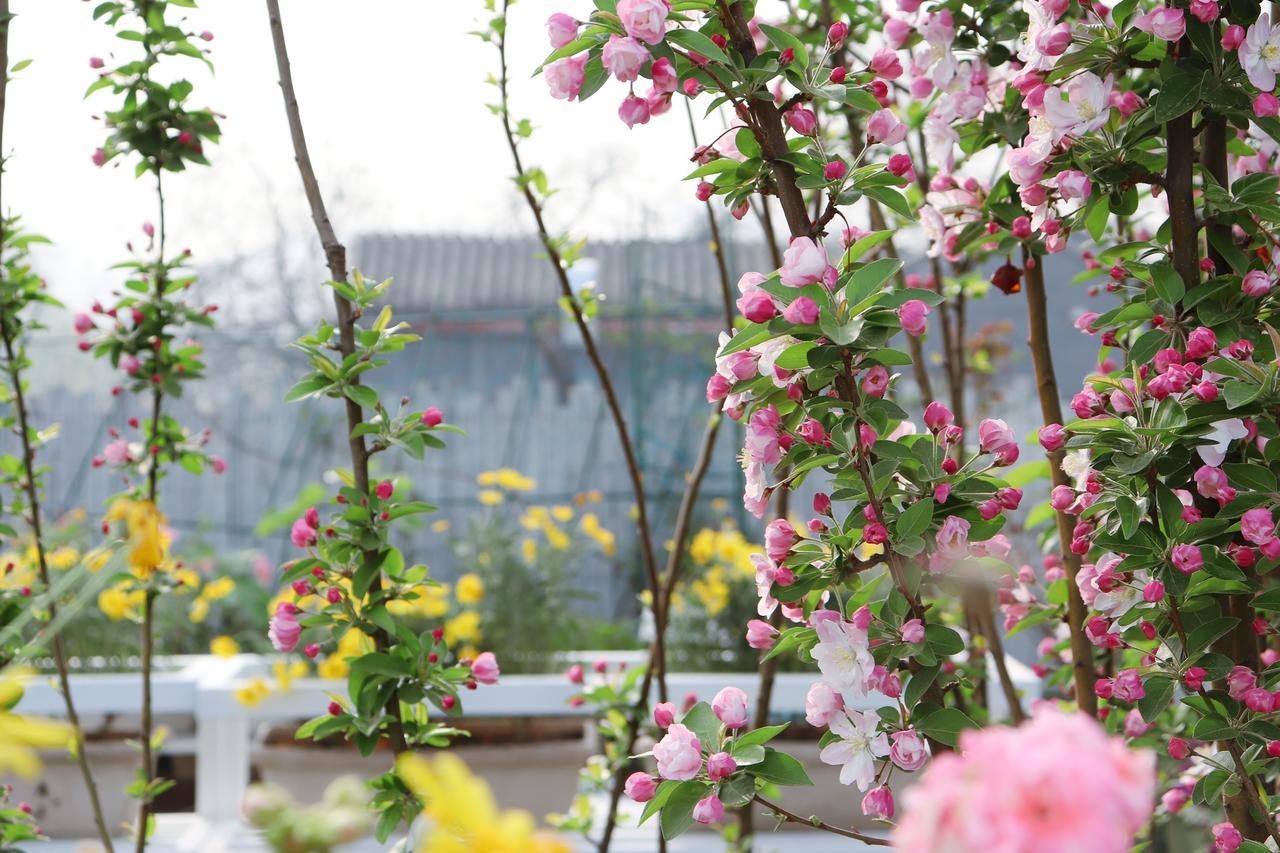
(204,688)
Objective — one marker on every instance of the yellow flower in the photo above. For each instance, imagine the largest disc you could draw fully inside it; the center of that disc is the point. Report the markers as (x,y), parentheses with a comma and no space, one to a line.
(64,557)
(286,671)
(556,537)
(469,589)
(490,497)
(562,513)
(144,526)
(119,603)
(252,693)
(719,505)
(335,666)
(513,481)
(604,538)
(464,816)
(218,588)
(440,525)
(188,580)
(96,559)
(712,591)
(224,647)
(199,610)
(463,628)
(529,550)
(594,496)
(703,547)
(21,736)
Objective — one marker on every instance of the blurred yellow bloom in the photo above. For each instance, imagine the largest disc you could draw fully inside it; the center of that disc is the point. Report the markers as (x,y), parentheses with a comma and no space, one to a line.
(556,537)
(252,693)
(594,496)
(529,550)
(335,666)
(145,528)
(224,647)
(562,513)
(21,736)
(867,551)
(96,559)
(463,628)
(199,610)
(218,588)
(604,538)
(464,816)
(490,497)
(719,505)
(64,557)
(534,517)
(711,590)
(119,603)
(469,589)
(440,525)
(506,478)
(188,580)
(286,671)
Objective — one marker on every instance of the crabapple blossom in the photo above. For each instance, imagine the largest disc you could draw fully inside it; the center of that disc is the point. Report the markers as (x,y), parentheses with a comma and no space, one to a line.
(678,754)
(859,744)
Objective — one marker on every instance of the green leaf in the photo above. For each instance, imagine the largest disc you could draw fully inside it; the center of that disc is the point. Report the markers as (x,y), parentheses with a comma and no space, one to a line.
(762,735)
(945,725)
(916,518)
(363,395)
(702,721)
(1179,94)
(698,43)
(868,280)
(943,640)
(1159,690)
(1167,284)
(780,769)
(677,814)
(919,683)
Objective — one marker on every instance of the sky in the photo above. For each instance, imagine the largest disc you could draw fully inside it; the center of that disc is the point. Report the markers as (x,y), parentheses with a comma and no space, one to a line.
(393,98)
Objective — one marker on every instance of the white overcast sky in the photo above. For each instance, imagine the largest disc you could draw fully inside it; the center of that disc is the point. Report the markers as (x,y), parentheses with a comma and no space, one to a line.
(394,102)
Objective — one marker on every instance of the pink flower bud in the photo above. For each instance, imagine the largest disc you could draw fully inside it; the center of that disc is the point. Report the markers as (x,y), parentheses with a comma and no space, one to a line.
(640,787)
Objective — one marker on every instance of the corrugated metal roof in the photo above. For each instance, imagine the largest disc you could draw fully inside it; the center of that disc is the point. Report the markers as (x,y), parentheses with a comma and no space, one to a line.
(438,273)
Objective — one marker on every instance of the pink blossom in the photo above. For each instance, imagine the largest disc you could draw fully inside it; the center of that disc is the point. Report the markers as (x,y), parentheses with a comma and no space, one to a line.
(757,306)
(1265,104)
(1232,37)
(995,436)
(432,417)
(1187,559)
(761,635)
(1073,184)
(730,707)
(663,74)
(912,631)
(1052,437)
(913,314)
(634,110)
(885,63)
(484,668)
(908,750)
(1256,283)
(937,416)
(878,803)
(565,76)
(1204,11)
(640,787)
(284,630)
(804,262)
(1017,789)
(1164,23)
(83,323)
(953,538)
(1153,592)
(623,57)
(883,126)
(1257,525)
(1240,680)
(802,120)
(1211,482)
(802,311)
(720,766)
(822,704)
(779,536)
(644,19)
(896,32)
(678,754)
(302,534)
(1127,686)
(561,30)
(709,809)
(1226,838)
(664,714)
(876,381)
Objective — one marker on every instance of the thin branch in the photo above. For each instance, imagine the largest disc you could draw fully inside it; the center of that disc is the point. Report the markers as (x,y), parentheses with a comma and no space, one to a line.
(1051,412)
(336,257)
(815,823)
